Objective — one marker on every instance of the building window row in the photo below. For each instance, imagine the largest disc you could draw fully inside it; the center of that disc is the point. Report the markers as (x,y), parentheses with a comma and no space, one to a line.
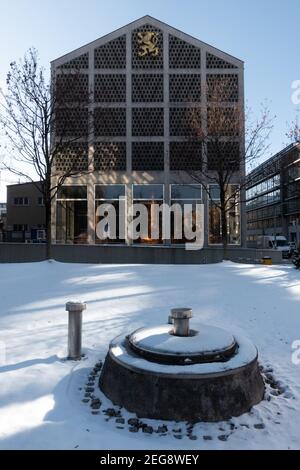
(25,201)
(292,207)
(293,172)
(20,227)
(264,186)
(266,199)
(72,213)
(21,201)
(264,224)
(264,213)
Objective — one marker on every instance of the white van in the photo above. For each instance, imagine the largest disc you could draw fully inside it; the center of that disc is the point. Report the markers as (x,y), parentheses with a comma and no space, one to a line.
(279,243)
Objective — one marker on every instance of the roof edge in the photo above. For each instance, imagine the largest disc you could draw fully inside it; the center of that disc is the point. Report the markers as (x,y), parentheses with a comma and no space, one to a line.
(148,18)
(24,182)
(276,156)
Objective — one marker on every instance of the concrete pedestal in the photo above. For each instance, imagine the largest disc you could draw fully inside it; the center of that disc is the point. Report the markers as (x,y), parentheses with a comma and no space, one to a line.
(196,392)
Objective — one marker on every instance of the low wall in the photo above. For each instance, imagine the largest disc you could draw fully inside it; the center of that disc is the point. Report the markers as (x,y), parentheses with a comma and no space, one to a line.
(252,255)
(20,253)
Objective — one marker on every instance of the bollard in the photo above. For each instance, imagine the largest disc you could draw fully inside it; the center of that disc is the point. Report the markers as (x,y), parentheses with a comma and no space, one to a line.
(267,260)
(75,329)
(181,319)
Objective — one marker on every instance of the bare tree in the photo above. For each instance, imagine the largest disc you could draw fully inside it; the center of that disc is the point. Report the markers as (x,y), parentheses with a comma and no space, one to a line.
(225,153)
(41,119)
(293,133)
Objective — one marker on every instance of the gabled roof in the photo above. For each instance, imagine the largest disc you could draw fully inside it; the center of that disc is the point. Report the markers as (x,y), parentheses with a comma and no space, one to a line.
(157,23)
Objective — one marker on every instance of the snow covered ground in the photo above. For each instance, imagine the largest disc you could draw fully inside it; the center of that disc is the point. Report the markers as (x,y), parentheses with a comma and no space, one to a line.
(41,393)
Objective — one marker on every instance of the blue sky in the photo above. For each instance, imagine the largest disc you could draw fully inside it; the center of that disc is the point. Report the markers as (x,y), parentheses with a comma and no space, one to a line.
(263,33)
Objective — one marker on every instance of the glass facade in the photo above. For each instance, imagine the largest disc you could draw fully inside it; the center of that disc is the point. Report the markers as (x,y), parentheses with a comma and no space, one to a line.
(72,192)
(71,215)
(186,192)
(111,197)
(264,200)
(263,205)
(149,195)
(294,172)
(186,196)
(148,192)
(263,187)
(232,214)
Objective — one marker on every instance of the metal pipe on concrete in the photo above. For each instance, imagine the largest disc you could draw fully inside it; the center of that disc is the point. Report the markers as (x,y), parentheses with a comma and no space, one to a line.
(181,320)
(75,310)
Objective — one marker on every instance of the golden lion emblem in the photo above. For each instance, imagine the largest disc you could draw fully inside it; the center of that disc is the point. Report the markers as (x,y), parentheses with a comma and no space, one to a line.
(148,44)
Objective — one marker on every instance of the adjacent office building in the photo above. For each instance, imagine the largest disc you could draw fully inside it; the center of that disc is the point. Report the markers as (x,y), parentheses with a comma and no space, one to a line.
(2,220)
(25,220)
(2,209)
(145,81)
(273,197)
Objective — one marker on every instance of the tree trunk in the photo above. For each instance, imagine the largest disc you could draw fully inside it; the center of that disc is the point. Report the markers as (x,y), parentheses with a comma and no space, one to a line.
(224,223)
(48,230)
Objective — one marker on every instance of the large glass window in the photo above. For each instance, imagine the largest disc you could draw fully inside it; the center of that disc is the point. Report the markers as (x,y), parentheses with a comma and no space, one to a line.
(71,215)
(260,188)
(294,172)
(232,215)
(72,192)
(215,226)
(186,196)
(110,213)
(109,191)
(214,192)
(149,195)
(268,198)
(148,192)
(186,191)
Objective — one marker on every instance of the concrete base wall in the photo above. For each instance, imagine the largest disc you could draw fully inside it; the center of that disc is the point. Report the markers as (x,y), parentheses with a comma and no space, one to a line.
(21,253)
(158,396)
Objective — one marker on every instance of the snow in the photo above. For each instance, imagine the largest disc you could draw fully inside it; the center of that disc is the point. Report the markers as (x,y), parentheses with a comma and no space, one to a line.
(41,392)
(159,339)
(247,353)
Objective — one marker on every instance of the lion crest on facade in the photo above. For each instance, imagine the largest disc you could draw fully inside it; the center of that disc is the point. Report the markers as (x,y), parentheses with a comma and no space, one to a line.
(148,43)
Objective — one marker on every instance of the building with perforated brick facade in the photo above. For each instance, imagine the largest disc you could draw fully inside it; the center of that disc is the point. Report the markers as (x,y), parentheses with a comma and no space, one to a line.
(132,139)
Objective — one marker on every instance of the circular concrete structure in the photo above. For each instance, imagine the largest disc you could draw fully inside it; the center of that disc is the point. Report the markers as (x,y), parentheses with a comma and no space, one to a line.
(209,375)
(161,345)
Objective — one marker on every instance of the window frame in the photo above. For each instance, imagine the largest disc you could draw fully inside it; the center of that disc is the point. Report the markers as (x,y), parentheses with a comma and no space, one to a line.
(110,198)
(61,200)
(73,199)
(42,204)
(17,204)
(148,199)
(185,198)
(106,242)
